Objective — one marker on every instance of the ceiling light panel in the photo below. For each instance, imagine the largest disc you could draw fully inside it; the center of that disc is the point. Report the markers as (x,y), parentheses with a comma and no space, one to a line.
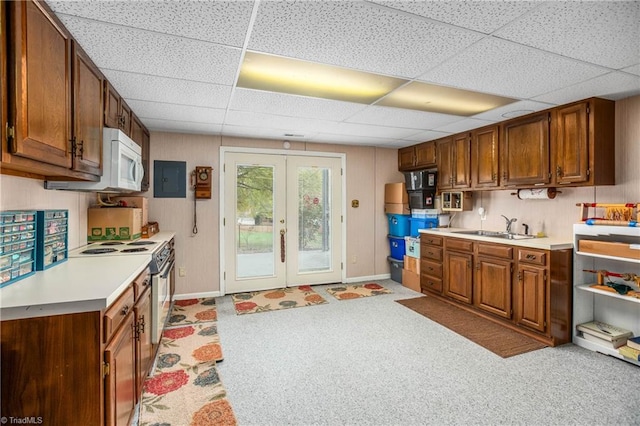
(223,22)
(285,75)
(445,100)
(356,35)
(509,69)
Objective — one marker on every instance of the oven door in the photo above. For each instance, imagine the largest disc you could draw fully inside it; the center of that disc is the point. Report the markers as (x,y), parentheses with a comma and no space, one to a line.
(161,302)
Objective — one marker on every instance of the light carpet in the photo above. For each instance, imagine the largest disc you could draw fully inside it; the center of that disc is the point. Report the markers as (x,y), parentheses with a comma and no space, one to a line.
(192,311)
(345,292)
(272,300)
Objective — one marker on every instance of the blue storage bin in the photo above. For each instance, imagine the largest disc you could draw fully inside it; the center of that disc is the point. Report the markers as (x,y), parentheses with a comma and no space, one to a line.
(398,224)
(421,223)
(397,247)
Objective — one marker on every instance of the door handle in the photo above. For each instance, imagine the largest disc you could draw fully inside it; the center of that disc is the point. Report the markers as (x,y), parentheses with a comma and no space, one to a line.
(282,247)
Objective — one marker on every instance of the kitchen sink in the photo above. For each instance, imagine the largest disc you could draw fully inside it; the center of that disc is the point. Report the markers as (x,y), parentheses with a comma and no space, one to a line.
(496,234)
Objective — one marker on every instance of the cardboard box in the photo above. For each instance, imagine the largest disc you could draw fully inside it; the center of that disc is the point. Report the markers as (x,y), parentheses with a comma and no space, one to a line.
(114,223)
(395,208)
(626,250)
(137,202)
(396,193)
(412,264)
(411,280)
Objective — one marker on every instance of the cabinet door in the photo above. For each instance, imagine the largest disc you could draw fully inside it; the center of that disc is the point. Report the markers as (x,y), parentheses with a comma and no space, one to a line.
(125,118)
(492,291)
(146,162)
(484,158)
(406,158)
(426,155)
(572,144)
(445,163)
(136,129)
(87,110)
(3,72)
(120,383)
(531,297)
(144,347)
(41,86)
(111,106)
(462,161)
(525,151)
(458,276)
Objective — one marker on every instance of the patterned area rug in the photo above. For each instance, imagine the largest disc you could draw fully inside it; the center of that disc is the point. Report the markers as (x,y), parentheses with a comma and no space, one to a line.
(272,300)
(186,388)
(344,292)
(192,311)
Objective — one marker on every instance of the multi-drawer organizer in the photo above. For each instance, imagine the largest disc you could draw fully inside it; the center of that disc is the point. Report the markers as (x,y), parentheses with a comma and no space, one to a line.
(31,241)
(18,248)
(52,238)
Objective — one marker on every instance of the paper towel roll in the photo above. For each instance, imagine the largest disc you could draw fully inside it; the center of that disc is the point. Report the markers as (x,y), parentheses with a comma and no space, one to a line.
(537,194)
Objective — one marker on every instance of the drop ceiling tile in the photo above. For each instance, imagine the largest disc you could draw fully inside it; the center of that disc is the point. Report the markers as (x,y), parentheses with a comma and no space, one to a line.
(174,112)
(485,17)
(127,49)
(168,90)
(463,125)
(513,110)
(600,32)
(257,132)
(355,35)
(286,124)
(508,69)
(355,140)
(396,117)
(425,136)
(614,86)
(366,130)
(634,69)
(181,126)
(291,105)
(224,22)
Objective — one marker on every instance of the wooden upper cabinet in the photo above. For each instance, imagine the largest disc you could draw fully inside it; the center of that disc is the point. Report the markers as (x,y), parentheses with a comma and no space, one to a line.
(421,156)
(462,161)
(137,129)
(3,73)
(485,156)
(41,90)
(445,163)
(406,158)
(525,150)
(117,113)
(87,113)
(146,162)
(584,144)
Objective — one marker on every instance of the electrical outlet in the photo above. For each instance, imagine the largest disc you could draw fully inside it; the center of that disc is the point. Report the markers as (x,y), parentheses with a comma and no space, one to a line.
(182,271)
(483,213)
(354,258)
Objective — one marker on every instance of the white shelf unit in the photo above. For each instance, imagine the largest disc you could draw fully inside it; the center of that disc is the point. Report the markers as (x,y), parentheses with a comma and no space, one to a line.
(590,304)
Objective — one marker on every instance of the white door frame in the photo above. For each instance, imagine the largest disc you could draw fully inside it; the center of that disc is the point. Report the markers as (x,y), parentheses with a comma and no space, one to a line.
(222,200)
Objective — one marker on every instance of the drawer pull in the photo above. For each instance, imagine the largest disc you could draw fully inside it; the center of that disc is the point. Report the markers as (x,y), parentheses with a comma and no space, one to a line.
(531,257)
(125,310)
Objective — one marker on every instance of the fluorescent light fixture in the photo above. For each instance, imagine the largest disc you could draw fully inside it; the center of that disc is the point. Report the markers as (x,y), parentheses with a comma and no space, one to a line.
(444,100)
(272,73)
(296,77)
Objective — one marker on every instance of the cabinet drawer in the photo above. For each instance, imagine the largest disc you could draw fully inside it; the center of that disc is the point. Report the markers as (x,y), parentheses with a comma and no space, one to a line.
(496,250)
(535,257)
(430,252)
(141,283)
(459,245)
(431,268)
(427,239)
(117,313)
(431,283)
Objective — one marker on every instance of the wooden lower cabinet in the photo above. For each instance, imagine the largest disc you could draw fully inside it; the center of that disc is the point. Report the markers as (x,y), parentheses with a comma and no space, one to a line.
(62,369)
(527,290)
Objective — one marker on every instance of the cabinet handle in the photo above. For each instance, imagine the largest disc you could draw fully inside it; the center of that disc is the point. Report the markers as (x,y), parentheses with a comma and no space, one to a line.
(504,175)
(74,146)
(142,325)
(559,171)
(531,256)
(125,310)
(145,282)
(81,149)
(494,176)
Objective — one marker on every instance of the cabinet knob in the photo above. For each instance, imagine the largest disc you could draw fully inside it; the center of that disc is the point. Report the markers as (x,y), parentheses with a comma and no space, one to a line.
(125,310)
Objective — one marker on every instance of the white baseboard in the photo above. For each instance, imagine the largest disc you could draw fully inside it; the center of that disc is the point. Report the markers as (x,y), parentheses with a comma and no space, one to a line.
(196,295)
(368,278)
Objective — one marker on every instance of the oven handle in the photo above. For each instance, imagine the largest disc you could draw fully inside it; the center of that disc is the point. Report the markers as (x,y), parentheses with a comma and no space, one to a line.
(167,270)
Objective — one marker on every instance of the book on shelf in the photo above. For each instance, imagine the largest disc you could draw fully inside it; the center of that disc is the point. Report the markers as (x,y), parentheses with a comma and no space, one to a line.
(604,334)
(634,342)
(629,352)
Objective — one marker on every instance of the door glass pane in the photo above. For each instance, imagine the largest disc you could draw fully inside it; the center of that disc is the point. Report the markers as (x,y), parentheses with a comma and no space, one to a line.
(314,217)
(254,221)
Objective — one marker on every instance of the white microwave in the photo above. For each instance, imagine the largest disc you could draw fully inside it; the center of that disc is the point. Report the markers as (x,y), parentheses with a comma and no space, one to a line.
(122,169)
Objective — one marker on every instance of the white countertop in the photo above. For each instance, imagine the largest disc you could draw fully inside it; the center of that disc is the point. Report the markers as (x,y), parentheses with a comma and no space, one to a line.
(543,243)
(82,284)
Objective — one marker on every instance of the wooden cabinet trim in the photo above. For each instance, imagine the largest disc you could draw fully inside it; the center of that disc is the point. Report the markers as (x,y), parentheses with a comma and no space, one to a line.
(535,257)
(497,250)
(427,239)
(458,244)
(430,268)
(117,313)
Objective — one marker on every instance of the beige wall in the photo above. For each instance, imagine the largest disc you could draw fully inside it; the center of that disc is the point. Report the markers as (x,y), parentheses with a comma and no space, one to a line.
(367,170)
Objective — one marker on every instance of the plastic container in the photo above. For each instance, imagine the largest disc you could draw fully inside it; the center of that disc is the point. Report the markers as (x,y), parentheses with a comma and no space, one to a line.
(397,247)
(421,223)
(52,238)
(398,224)
(412,247)
(396,266)
(17,245)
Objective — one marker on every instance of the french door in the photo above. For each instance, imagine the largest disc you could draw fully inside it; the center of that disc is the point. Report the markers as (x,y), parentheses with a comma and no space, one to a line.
(282,221)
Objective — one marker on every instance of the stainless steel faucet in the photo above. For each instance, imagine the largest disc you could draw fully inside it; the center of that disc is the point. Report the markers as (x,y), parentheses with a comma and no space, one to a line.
(509,222)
